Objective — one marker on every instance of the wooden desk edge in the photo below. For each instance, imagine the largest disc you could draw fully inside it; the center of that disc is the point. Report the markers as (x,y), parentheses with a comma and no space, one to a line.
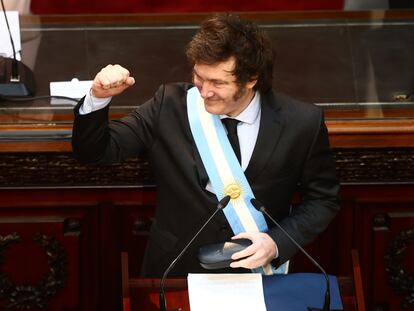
(345,134)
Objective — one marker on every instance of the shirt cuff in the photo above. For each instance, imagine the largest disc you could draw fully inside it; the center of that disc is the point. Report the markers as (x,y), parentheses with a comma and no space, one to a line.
(92,103)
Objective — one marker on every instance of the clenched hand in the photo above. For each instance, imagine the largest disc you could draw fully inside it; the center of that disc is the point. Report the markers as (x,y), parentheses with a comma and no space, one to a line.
(110,81)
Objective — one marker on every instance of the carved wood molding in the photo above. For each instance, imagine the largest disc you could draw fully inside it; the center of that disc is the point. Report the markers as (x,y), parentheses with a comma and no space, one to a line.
(371,133)
(399,278)
(26,297)
(196,17)
(62,170)
(346,133)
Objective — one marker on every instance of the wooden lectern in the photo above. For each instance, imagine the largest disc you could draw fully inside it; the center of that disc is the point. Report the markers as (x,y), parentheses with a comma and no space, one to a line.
(142,294)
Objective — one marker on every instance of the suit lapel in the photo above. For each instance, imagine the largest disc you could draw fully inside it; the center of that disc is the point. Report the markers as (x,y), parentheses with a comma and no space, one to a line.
(271,125)
(202,173)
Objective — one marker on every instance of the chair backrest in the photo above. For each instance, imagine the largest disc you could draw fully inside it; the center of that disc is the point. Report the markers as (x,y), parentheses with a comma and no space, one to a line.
(126,300)
(143,293)
(358,288)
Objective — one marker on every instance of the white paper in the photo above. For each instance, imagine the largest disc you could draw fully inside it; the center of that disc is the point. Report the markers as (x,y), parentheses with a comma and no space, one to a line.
(6,49)
(224,292)
(74,89)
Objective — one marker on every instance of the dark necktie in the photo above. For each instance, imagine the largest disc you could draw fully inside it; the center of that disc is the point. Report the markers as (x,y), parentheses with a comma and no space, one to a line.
(231,126)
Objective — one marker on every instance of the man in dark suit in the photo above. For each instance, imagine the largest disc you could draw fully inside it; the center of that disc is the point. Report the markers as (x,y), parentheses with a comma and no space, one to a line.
(283,143)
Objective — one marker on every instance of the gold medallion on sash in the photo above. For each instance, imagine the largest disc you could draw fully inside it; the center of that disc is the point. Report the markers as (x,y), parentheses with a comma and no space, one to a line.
(233,190)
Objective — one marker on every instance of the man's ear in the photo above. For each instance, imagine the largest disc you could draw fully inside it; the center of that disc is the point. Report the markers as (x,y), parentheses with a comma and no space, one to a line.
(252,82)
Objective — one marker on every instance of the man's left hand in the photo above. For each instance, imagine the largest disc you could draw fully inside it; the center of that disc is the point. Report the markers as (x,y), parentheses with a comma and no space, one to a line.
(261,252)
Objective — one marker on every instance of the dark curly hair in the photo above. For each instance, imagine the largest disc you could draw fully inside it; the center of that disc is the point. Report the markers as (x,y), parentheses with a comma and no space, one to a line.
(226,35)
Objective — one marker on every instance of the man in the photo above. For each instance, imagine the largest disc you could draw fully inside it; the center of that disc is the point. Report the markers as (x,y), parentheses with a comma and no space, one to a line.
(283,144)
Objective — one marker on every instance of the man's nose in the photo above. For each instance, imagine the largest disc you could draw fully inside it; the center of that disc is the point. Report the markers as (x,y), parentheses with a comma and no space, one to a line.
(205,91)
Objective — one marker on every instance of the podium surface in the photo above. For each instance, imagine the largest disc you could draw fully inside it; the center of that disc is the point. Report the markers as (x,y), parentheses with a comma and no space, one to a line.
(144,293)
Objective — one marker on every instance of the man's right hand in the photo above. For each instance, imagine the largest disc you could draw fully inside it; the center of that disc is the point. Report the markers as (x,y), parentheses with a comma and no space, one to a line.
(110,81)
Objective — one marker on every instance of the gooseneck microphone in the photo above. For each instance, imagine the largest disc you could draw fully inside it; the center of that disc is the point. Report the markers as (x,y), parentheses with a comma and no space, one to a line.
(222,204)
(327,301)
(16,79)
(14,69)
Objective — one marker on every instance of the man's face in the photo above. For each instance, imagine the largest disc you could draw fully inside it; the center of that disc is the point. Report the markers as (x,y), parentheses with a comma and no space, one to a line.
(219,89)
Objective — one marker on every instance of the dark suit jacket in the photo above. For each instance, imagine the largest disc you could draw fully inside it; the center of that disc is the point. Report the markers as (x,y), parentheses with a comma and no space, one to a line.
(291,154)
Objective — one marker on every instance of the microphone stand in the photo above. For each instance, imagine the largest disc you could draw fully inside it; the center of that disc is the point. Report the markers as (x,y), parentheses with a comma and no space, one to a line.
(163,304)
(327,299)
(21,82)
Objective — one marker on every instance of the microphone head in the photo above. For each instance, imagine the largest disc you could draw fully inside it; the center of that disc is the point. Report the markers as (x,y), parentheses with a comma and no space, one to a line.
(257,204)
(223,202)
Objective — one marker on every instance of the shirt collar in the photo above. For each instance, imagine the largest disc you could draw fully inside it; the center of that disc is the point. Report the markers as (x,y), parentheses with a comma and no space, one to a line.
(250,114)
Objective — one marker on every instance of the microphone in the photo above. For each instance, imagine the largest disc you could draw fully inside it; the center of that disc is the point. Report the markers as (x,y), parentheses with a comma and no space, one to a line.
(327,302)
(222,204)
(16,79)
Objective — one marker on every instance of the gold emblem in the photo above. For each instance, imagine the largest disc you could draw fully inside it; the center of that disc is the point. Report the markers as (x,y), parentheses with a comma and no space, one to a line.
(233,190)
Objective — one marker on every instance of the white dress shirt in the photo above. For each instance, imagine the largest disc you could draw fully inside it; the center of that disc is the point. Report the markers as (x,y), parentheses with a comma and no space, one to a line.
(248,129)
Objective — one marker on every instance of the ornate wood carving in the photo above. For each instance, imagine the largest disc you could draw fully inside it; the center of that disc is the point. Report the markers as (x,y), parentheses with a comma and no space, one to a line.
(27,297)
(399,278)
(72,226)
(381,222)
(375,165)
(61,169)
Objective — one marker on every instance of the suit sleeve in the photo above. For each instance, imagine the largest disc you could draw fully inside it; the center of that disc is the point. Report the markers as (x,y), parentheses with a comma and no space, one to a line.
(318,189)
(95,139)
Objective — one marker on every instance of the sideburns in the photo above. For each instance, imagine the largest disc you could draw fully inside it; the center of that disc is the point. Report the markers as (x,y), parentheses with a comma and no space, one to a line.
(241,90)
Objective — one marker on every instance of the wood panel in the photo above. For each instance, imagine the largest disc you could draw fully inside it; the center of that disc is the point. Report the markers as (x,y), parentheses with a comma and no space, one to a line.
(380,214)
(343,134)
(45,259)
(87,224)
(386,239)
(162,19)
(112,220)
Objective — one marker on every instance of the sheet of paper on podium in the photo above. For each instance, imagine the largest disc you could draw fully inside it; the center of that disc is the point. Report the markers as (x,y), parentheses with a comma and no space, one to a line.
(6,49)
(75,89)
(242,292)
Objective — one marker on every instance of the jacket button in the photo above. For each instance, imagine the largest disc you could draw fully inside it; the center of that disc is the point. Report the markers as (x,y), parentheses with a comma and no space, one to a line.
(224,227)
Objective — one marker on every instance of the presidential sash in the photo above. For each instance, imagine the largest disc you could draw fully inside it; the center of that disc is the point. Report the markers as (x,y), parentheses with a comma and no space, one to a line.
(224,170)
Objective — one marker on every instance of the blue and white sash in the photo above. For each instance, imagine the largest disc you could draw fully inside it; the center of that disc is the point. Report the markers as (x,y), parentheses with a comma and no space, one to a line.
(225,173)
